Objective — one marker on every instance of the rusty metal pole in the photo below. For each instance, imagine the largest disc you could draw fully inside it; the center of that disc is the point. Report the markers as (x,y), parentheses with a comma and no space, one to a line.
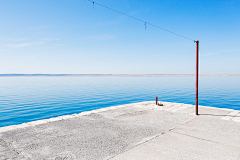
(156,100)
(197,56)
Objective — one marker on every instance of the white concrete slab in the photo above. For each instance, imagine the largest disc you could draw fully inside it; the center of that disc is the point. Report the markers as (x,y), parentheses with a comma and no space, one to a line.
(174,146)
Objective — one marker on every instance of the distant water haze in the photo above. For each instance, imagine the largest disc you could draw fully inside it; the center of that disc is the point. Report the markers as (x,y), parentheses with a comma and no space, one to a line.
(10,75)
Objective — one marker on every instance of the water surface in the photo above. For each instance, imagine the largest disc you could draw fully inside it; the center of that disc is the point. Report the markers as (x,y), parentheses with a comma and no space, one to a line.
(24,99)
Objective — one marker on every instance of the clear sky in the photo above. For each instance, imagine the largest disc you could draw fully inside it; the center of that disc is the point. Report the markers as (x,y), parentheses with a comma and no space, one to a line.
(70,37)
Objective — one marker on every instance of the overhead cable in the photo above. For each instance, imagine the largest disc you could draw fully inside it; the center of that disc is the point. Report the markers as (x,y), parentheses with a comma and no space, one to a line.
(145,23)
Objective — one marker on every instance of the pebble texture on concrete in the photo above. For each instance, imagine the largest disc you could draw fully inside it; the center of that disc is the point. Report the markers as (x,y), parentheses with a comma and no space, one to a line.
(121,132)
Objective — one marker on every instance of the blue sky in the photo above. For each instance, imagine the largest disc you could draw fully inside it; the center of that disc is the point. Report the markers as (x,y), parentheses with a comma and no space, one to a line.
(70,37)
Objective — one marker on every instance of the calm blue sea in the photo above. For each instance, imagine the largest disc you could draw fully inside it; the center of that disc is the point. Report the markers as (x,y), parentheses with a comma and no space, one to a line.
(24,99)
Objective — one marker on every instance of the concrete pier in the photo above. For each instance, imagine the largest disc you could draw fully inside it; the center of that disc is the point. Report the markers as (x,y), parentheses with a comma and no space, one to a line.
(133,131)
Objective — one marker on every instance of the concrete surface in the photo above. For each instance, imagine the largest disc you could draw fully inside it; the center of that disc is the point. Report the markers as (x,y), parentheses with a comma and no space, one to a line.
(133,131)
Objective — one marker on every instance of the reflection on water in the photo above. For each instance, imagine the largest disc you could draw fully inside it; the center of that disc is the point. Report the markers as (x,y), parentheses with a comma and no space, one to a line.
(24,99)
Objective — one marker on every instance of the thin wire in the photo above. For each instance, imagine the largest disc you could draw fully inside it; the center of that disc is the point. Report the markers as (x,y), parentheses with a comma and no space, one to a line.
(141,20)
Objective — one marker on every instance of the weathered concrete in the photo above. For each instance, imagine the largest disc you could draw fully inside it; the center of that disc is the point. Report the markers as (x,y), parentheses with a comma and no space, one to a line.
(205,137)
(177,146)
(133,131)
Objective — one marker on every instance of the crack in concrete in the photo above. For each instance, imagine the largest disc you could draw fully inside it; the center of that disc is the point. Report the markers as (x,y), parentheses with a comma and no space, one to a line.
(198,137)
(205,139)
(154,137)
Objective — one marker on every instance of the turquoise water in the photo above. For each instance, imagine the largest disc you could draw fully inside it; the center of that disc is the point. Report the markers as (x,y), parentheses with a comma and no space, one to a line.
(24,99)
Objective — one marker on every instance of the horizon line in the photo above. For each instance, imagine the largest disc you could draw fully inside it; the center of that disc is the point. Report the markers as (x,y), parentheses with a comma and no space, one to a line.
(137,75)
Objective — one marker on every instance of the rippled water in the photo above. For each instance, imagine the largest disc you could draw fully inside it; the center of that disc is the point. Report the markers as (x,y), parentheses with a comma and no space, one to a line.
(24,99)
